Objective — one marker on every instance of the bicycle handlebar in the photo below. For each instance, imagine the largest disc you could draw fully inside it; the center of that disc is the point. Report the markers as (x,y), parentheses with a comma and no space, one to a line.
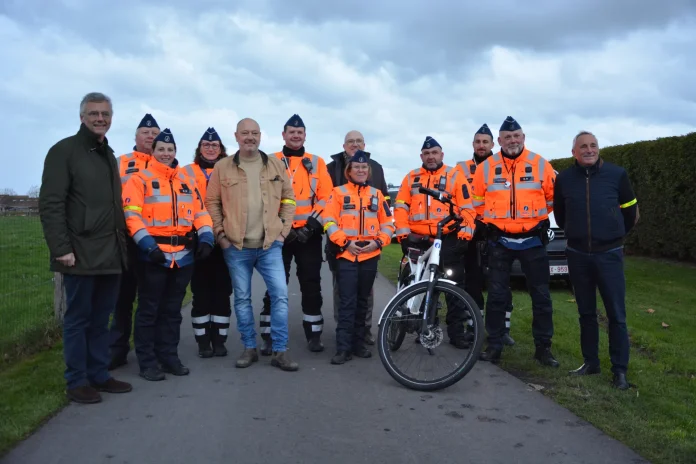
(442,197)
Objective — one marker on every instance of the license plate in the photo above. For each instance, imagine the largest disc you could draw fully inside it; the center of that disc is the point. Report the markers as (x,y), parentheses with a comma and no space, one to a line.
(558,270)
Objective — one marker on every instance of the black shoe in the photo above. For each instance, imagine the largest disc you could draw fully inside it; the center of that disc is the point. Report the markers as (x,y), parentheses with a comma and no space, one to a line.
(462,341)
(492,355)
(619,381)
(508,340)
(586,369)
(369,338)
(266,346)
(545,357)
(362,353)
(341,357)
(152,374)
(204,350)
(84,394)
(219,350)
(117,362)
(314,344)
(177,369)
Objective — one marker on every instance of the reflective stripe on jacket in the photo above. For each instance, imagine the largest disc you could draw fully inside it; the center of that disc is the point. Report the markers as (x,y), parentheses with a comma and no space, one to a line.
(418,213)
(132,162)
(201,175)
(311,189)
(354,213)
(514,195)
(162,201)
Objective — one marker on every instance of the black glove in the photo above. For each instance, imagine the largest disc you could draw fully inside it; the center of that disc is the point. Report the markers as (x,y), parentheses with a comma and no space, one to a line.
(157,256)
(314,224)
(203,251)
(292,236)
(303,234)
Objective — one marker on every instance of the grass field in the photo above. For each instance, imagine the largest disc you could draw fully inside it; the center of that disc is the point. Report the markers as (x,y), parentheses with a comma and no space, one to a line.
(26,287)
(658,417)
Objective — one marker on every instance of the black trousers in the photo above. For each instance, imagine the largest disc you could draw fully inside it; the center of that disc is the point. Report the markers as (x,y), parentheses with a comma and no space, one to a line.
(211,309)
(161,292)
(603,271)
(535,265)
(355,281)
(457,314)
(308,258)
(122,321)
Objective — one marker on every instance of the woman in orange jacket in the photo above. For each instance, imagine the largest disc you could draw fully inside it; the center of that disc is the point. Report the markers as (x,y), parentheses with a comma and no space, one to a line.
(358,222)
(164,210)
(211,286)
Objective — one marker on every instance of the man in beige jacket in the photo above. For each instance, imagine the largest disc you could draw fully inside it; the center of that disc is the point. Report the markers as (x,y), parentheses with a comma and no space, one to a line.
(252,204)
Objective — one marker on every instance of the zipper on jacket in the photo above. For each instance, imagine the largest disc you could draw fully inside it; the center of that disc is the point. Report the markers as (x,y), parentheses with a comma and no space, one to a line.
(427,202)
(512,196)
(589,217)
(362,214)
(175,219)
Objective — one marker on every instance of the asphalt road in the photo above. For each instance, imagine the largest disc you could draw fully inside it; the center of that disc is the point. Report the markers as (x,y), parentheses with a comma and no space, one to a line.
(322,413)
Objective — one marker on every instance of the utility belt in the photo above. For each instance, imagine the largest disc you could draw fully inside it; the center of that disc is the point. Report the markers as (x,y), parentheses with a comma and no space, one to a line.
(492,234)
(188,240)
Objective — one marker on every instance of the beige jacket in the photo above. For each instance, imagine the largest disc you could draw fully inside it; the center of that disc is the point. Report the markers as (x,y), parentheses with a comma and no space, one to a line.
(226,199)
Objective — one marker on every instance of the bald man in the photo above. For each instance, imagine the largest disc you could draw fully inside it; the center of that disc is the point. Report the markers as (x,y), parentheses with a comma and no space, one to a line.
(353,142)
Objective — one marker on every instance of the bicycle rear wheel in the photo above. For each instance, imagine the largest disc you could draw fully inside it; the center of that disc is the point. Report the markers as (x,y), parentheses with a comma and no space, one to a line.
(427,364)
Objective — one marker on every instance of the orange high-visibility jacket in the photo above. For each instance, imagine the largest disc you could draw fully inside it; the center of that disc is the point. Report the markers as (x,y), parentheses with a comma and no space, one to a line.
(468,169)
(311,189)
(132,162)
(201,175)
(162,205)
(514,195)
(354,213)
(418,213)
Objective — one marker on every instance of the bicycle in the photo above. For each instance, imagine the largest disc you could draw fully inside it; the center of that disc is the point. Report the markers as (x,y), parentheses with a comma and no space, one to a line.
(415,307)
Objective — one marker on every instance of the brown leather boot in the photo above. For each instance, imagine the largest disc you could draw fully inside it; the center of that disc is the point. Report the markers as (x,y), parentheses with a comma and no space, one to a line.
(84,394)
(248,356)
(282,360)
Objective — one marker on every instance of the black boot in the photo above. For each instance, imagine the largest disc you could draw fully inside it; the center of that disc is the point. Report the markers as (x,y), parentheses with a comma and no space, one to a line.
(266,345)
(204,350)
(314,344)
(463,340)
(586,369)
(219,349)
(362,352)
(177,369)
(545,357)
(152,374)
(508,340)
(492,355)
(341,357)
(619,381)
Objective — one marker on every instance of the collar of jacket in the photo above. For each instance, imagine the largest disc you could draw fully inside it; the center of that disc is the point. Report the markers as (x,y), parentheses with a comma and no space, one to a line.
(589,169)
(478,159)
(264,158)
(90,139)
(437,171)
(162,170)
(353,187)
(505,160)
(290,152)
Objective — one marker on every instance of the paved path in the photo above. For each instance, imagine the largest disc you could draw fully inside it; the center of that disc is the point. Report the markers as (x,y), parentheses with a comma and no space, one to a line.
(353,413)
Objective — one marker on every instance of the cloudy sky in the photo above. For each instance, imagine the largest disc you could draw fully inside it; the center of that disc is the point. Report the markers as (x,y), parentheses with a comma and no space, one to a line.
(396,70)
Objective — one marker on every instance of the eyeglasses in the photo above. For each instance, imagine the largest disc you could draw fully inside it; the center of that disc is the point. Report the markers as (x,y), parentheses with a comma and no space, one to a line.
(96,114)
(210,146)
(356,141)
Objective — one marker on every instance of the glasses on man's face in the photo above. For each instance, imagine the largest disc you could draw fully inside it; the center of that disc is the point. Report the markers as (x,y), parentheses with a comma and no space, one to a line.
(355,141)
(96,114)
(210,146)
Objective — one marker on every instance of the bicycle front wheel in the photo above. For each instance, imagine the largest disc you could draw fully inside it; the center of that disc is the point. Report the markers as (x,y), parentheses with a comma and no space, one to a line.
(429,362)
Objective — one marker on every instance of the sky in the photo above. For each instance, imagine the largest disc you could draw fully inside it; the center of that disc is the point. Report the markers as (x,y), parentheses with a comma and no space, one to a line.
(395,70)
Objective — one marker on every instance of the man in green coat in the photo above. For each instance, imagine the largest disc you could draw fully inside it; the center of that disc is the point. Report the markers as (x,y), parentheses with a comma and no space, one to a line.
(83,223)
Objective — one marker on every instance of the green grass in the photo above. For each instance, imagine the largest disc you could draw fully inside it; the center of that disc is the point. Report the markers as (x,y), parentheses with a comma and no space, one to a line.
(26,288)
(657,418)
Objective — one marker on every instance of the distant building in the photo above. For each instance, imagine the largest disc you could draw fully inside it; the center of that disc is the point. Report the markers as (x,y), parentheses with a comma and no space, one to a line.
(18,204)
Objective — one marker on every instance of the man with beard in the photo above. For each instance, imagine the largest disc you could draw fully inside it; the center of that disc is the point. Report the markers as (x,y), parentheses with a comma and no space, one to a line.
(474,260)
(513,193)
(122,322)
(353,142)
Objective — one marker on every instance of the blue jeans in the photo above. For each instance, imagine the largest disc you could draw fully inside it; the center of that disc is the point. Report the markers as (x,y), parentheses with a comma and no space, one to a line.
(90,301)
(269,263)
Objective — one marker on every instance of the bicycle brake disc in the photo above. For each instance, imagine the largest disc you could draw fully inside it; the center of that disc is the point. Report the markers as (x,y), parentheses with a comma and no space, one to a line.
(433,339)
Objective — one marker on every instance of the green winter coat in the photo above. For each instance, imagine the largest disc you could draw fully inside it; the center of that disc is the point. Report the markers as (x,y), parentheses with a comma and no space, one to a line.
(80,205)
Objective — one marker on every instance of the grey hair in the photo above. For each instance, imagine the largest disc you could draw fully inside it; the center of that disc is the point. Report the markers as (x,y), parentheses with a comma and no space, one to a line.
(580,134)
(94,97)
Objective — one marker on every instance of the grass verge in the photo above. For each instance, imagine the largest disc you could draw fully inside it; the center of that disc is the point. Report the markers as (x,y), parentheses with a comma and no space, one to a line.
(657,419)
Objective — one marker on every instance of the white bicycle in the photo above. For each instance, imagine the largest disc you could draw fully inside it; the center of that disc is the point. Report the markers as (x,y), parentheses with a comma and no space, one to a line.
(423,295)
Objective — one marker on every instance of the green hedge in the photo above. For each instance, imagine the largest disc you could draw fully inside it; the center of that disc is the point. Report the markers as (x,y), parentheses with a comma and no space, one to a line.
(663,174)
